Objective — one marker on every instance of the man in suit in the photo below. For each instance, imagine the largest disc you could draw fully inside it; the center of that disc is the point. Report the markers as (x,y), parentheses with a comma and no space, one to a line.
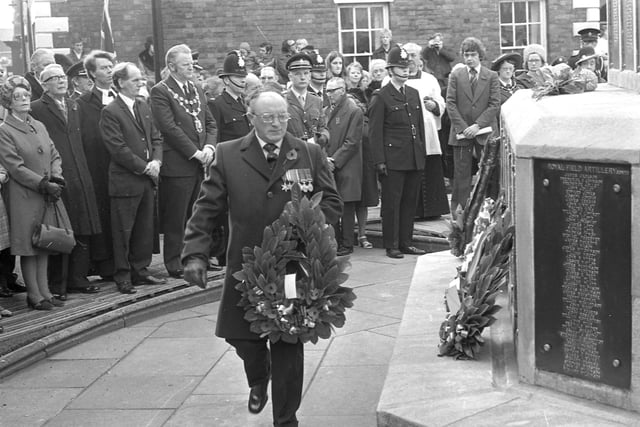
(189,137)
(39,59)
(59,114)
(246,180)
(396,135)
(346,121)
(308,121)
(135,147)
(76,52)
(473,103)
(99,67)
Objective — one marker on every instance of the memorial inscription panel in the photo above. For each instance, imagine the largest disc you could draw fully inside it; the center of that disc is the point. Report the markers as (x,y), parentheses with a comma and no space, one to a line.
(582,264)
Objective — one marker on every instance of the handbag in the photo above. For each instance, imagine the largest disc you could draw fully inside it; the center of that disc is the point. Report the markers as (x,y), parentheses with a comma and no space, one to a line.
(56,238)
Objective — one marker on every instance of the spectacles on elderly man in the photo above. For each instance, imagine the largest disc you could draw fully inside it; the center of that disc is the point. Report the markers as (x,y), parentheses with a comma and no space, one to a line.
(56,78)
(268,118)
(333,90)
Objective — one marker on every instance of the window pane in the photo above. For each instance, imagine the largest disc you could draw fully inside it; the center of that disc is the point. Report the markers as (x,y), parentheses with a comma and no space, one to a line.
(364,60)
(507,35)
(534,34)
(377,17)
(521,35)
(534,11)
(505,13)
(362,17)
(346,18)
(362,38)
(347,43)
(520,9)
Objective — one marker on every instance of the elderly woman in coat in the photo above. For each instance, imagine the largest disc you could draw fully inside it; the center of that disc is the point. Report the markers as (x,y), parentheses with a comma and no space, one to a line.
(35,176)
(534,57)
(345,121)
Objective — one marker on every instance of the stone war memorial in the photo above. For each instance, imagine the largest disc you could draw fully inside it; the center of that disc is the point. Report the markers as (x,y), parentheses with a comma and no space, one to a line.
(575,190)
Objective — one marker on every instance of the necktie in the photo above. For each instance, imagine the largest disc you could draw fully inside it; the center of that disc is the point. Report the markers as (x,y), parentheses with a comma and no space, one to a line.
(186,89)
(401,90)
(271,148)
(473,79)
(63,109)
(136,113)
(301,98)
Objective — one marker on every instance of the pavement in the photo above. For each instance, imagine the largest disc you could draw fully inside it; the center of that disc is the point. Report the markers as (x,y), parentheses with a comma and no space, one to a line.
(171,370)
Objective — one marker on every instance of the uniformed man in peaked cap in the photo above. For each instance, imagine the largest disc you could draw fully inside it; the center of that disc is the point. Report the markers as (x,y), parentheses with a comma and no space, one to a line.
(308,121)
(318,77)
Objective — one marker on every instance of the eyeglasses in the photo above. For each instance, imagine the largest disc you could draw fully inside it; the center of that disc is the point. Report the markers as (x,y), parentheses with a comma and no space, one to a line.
(56,78)
(267,118)
(21,95)
(333,90)
(534,60)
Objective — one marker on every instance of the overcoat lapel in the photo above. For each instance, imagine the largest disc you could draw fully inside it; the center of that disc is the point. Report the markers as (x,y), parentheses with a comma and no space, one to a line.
(253,155)
(284,163)
(53,108)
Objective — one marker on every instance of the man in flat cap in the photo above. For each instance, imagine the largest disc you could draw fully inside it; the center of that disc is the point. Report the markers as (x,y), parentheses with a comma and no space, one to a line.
(308,121)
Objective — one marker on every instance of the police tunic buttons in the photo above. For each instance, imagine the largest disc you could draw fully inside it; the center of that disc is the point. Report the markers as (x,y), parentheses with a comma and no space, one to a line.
(270,195)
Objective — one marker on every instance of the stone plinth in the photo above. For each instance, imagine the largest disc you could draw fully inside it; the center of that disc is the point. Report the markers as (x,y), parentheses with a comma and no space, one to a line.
(577,182)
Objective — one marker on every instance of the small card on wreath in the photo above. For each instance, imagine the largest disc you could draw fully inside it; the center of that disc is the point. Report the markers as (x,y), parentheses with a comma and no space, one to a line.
(290,291)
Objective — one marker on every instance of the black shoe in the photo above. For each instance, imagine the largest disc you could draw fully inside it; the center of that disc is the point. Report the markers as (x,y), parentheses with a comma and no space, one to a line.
(258,397)
(412,250)
(42,305)
(176,274)
(5,292)
(91,289)
(56,302)
(342,251)
(394,253)
(17,288)
(213,266)
(126,287)
(148,280)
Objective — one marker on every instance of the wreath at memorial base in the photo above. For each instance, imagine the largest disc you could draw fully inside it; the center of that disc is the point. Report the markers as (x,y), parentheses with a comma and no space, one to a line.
(471,299)
(298,243)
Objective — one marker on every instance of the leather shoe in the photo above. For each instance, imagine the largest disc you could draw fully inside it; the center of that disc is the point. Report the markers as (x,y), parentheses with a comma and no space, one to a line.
(176,274)
(412,250)
(258,397)
(91,289)
(148,280)
(342,251)
(17,287)
(126,287)
(394,253)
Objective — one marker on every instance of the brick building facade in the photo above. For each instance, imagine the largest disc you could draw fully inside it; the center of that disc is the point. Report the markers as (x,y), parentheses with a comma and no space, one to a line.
(217,26)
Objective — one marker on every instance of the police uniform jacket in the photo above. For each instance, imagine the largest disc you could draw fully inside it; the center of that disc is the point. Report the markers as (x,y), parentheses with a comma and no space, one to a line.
(131,144)
(396,128)
(78,196)
(308,120)
(466,108)
(230,116)
(181,140)
(241,183)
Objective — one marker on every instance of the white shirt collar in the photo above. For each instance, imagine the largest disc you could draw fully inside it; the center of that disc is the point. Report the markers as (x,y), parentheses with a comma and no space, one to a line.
(130,102)
(477,68)
(106,99)
(180,85)
(299,94)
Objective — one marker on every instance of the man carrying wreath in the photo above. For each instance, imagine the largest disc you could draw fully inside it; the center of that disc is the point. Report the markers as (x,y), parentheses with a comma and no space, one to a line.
(249,180)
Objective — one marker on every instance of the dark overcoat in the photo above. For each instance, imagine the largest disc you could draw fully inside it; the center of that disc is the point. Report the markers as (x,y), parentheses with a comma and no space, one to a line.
(346,122)
(467,107)
(180,138)
(27,153)
(90,107)
(241,183)
(230,116)
(396,128)
(79,196)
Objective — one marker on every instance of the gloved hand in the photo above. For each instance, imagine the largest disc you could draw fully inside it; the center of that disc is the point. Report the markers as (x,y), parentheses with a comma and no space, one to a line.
(195,272)
(381,168)
(58,180)
(49,188)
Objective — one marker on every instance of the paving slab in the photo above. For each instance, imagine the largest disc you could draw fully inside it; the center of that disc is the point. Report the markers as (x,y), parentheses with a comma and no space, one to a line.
(192,327)
(219,411)
(35,406)
(356,350)
(59,374)
(110,418)
(113,345)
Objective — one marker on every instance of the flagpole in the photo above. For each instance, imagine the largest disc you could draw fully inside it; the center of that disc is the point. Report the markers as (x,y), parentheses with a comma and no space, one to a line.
(158,38)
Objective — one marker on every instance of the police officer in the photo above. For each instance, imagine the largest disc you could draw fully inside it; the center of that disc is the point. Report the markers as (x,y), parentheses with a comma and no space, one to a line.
(396,135)
(589,38)
(308,121)
(318,77)
(228,109)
